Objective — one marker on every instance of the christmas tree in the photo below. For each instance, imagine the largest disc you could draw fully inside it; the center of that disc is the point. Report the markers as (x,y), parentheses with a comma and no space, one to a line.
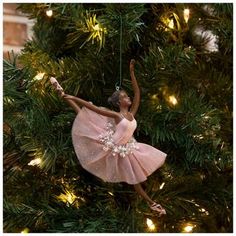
(184,69)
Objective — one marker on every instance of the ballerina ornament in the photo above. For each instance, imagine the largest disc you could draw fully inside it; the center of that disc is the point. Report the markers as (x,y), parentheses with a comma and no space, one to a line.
(104,143)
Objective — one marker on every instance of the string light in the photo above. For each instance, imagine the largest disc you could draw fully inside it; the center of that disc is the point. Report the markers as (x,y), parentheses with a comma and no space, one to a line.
(35,162)
(49,13)
(186,14)
(25,231)
(162,185)
(150,224)
(154,97)
(111,193)
(199,136)
(39,76)
(171,24)
(204,211)
(173,100)
(206,117)
(188,228)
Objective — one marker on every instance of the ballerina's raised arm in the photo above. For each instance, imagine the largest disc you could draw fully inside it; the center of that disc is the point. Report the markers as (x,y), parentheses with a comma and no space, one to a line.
(136,100)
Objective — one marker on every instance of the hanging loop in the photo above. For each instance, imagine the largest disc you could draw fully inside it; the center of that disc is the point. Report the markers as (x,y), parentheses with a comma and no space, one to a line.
(121,49)
(117,87)
(119,83)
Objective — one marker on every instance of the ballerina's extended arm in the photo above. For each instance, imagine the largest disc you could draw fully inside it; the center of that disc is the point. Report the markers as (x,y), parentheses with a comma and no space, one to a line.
(136,89)
(104,112)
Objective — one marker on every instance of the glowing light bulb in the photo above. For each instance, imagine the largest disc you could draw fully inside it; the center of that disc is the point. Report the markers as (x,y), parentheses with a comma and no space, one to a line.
(204,211)
(49,13)
(39,76)
(150,224)
(186,14)
(154,97)
(25,231)
(173,100)
(198,136)
(35,162)
(162,185)
(188,228)
(171,24)
(111,193)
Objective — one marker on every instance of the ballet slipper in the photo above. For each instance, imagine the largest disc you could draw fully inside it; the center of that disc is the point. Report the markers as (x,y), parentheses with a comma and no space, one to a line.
(57,86)
(158,208)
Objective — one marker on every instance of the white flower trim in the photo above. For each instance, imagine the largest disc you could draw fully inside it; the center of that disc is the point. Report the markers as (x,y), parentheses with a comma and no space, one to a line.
(109,145)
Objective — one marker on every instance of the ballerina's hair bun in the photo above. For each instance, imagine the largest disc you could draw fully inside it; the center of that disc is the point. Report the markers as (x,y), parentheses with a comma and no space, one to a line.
(114,99)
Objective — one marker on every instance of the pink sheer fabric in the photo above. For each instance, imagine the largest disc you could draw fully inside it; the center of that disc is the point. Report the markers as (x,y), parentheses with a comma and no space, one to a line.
(110,151)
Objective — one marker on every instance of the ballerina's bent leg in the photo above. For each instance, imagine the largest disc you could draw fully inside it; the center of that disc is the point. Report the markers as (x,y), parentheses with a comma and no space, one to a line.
(153,205)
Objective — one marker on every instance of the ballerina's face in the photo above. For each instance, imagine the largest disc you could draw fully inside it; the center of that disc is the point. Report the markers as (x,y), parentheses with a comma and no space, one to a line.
(124,99)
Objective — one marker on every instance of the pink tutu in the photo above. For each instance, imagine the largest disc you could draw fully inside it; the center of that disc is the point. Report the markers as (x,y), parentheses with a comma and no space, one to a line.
(110,151)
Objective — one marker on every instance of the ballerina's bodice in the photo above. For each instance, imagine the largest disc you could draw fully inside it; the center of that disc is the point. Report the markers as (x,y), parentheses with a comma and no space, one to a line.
(124,131)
